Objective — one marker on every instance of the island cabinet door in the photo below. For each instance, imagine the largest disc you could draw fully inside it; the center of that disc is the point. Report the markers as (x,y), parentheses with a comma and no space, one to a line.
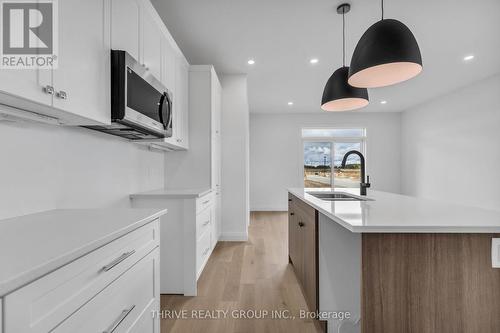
(294,239)
(308,229)
(303,248)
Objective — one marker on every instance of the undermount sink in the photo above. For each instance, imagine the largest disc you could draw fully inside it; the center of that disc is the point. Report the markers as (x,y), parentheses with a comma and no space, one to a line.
(336,196)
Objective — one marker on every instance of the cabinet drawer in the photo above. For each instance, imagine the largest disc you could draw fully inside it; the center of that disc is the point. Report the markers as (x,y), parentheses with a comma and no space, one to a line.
(305,209)
(54,297)
(204,202)
(203,248)
(203,222)
(124,306)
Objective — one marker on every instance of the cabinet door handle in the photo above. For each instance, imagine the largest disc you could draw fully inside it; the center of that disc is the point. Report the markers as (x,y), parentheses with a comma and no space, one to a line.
(292,213)
(205,202)
(117,260)
(289,200)
(119,320)
(62,94)
(301,224)
(48,90)
(206,223)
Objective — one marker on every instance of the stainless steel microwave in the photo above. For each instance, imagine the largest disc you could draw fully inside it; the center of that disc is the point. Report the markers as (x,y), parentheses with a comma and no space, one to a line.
(141,106)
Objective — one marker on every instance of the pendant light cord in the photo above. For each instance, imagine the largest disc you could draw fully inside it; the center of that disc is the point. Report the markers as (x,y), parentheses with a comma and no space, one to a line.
(343,37)
(382,5)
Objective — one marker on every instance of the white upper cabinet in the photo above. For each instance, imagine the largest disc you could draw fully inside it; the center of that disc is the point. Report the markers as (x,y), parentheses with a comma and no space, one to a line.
(160,54)
(125,18)
(151,46)
(181,102)
(81,81)
(168,64)
(76,92)
(30,84)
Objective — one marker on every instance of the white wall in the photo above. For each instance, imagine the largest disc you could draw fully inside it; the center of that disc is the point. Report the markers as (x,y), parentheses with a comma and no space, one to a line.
(46,167)
(276,152)
(451,146)
(235,156)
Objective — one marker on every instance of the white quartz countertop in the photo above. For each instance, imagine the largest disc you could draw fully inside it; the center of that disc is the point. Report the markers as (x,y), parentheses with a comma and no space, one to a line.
(389,212)
(174,193)
(34,245)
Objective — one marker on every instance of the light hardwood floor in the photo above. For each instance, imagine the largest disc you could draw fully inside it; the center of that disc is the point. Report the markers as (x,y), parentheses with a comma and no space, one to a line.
(252,275)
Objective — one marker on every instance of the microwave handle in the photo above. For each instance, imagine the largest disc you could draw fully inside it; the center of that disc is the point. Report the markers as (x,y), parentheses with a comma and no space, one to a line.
(165,98)
(170,111)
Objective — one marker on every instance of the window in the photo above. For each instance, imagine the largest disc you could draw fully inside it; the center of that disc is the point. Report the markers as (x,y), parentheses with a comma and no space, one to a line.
(317,164)
(324,149)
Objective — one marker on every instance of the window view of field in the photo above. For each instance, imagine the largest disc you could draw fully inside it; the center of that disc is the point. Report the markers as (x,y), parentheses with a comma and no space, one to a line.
(318,165)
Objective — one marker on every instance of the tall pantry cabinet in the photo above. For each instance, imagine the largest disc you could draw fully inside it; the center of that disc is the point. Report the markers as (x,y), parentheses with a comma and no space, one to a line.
(200,166)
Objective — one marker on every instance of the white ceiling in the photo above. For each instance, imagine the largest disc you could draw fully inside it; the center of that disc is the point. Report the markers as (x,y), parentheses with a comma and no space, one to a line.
(283,35)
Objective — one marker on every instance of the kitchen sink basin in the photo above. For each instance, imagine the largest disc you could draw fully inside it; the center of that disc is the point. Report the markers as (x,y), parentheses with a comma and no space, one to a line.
(336,196)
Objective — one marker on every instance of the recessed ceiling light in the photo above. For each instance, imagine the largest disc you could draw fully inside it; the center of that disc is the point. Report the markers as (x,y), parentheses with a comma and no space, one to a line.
(314,61)
(469,57)
(383,102)
(290,103)
(251,62)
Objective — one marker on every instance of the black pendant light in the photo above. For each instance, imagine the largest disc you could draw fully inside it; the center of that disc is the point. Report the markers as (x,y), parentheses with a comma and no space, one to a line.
(386,54)
(338,95)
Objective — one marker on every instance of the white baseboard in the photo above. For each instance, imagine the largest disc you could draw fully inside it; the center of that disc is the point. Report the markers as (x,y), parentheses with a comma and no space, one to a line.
(233,237)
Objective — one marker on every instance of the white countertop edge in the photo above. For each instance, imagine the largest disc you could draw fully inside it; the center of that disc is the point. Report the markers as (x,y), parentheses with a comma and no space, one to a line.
(425,230)
(443,229)
(37,272)
(173,194)
(410,229)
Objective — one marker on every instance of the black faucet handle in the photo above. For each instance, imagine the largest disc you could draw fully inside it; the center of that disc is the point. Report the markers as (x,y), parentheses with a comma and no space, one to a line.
(367,184)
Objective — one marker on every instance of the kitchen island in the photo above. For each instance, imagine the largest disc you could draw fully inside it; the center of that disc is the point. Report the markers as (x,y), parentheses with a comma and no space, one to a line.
(395,263)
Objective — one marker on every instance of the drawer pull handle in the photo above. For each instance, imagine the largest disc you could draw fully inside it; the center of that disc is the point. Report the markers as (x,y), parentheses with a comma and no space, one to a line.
(119,320)
(117,260)
(301,224)
(206,251)
(205,202)
(206,223)
(292,213)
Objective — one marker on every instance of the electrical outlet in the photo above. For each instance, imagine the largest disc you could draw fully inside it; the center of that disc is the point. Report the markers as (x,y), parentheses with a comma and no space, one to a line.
(495,252)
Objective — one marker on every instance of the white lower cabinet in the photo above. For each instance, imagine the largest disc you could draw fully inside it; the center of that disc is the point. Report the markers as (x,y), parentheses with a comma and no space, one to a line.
(203,223)
(124,306)
(93,292)
(203,250)
(188,237)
